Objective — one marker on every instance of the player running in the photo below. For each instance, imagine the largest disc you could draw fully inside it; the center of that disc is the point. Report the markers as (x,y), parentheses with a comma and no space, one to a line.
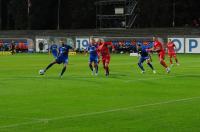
(144,55)
(61,58)
(92,49)
(104,50)
(161,53)
(171,52)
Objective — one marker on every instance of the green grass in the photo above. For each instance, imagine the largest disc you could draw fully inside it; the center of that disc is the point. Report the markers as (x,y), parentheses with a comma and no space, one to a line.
(79,102)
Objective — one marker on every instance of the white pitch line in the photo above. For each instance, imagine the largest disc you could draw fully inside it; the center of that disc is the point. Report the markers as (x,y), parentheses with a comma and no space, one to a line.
(98,113)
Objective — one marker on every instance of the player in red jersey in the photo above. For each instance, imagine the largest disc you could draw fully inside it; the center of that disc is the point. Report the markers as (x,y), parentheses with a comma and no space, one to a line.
(158,47)
(171,52)
(104,50)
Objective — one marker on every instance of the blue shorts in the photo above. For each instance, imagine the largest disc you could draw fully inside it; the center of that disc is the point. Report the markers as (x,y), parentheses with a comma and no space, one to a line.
(93,59)
(61,59)
(142,59)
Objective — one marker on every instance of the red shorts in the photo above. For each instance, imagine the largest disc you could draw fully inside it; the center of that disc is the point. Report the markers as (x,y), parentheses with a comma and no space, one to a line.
(161,55)
(171,54)
(106,59)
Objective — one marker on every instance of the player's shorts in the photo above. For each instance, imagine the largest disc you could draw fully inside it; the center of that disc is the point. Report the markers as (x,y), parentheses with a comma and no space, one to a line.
(93,59)
(142,59)
(171,54)
(106,59)
(161,55)
(61,59)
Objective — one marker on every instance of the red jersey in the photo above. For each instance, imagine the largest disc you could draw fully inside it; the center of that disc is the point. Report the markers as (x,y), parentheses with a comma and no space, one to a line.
(170,47)
(104,50)
(157,45)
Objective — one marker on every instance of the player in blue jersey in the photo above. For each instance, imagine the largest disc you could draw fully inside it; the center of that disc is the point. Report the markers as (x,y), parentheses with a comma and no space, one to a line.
(144,55)
(92,49)
(54,50)
(62,58)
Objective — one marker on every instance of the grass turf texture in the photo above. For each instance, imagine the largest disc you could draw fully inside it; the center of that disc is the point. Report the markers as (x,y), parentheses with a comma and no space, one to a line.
(125,101)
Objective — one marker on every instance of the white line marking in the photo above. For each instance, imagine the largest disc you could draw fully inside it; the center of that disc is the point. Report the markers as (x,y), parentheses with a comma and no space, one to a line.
(25,118)
(97,113)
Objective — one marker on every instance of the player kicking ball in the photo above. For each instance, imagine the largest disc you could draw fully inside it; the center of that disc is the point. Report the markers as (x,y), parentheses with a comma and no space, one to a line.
(92,49)
(62,58)
(144,55)
(171,52)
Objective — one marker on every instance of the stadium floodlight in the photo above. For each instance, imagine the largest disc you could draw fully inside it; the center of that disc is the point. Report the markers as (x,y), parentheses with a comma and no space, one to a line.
(58,16)
(174,13)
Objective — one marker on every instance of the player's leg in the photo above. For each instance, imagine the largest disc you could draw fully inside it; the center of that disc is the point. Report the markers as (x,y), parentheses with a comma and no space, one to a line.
(170,58)
(107,69)
(162,62)
(107,61)
(64,67)
(50,65)
(90,66)
(175,57)
(141,60)
(150,58)
(99,58)
(150,65)
(104,63)
(96,66)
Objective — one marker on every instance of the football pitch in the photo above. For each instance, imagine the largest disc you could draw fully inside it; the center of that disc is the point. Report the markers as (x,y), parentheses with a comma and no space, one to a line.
(126,101)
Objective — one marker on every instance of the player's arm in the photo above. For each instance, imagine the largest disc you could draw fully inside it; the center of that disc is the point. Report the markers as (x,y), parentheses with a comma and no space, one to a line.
(175,48)
(138,52)
(110,44)
(156,49)
(49,50)
(86,51)
(150,57)
(70,48)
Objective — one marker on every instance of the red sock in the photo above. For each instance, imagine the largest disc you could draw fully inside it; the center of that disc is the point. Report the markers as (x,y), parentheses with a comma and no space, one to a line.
(107,70)
(164,64)
(171,61)
(176,60)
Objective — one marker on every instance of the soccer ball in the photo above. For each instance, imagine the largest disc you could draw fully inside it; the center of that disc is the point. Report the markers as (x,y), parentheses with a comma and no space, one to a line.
(41,72)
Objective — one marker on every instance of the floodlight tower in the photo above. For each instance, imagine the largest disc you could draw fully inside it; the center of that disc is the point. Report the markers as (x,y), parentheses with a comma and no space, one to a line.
(115,14)
(0,14)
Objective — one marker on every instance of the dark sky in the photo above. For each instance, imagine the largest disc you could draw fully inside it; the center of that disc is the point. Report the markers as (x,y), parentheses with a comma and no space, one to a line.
(79,14)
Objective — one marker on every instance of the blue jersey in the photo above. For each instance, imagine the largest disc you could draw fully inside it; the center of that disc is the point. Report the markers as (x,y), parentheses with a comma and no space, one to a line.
(54,50)
(143,52)
(92,49)
(63,54)
(63,51)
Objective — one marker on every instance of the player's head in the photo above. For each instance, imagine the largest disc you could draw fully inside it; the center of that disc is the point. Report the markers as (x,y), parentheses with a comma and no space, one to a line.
(100,41)
(62,43)
(92,41)
(155,38)
(170,40)
(139,46)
